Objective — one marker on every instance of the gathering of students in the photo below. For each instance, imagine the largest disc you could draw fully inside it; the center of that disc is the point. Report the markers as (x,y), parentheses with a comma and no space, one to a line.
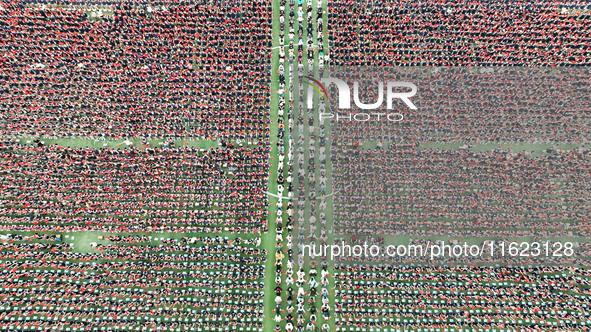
(173,233)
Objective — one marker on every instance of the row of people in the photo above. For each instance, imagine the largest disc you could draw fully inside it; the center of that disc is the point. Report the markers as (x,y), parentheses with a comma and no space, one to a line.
(303,286)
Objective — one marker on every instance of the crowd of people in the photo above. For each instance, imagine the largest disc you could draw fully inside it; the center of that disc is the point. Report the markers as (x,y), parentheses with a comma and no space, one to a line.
(463,193)
(492,151)
(199,70)
(170,69)
(491,105)
(115,70)
(413,298)
(459,33)
(133,189)
(188,284)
